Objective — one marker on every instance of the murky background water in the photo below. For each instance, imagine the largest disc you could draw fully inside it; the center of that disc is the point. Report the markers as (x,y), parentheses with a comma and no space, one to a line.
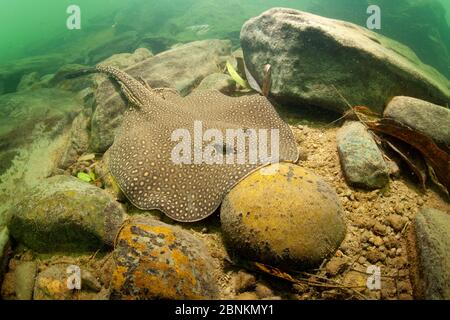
(31,28)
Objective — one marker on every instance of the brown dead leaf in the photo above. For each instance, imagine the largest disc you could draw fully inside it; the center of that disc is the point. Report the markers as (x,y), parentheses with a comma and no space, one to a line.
(438,159)
(414,161)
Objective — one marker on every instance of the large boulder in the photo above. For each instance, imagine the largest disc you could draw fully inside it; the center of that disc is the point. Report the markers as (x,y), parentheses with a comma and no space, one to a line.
(11,73)
(181,68)
(427,34)
(78,141)
(63,213)
(283,215)
(361,159)
(425,117)
(159,261)
(124,60)
(34,131)
(218,81)
(429,253)
(313,58)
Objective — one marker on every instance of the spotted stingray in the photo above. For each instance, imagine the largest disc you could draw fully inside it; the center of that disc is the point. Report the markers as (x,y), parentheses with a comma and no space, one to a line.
(141,156)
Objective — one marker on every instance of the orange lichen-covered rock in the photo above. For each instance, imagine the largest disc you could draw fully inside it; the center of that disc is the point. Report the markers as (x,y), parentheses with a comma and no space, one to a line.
(283,215)
(159,261)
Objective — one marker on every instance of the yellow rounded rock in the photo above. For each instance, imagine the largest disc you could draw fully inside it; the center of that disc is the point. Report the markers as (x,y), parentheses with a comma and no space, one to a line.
(155,260)
(283,215)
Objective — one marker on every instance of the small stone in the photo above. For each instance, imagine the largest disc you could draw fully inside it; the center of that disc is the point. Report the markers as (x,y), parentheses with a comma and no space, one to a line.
(394,169)
(8,290)
(300,288)
(396,222)
(263,291)
(361,159)
(405,297)
(89,282)
(51,284)
(247,296)
(374,256)
(392,253)
(376,241)
(25,277)
(403,286)
(362,260)
(379,229)
(330,295)
(244,281)
(273,298)
(336,266)
(356,280)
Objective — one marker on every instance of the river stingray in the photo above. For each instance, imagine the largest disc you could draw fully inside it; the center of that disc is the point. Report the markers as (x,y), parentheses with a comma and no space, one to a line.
(142,159)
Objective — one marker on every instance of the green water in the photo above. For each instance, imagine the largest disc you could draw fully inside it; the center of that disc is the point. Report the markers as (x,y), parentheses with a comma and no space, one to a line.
(38,27)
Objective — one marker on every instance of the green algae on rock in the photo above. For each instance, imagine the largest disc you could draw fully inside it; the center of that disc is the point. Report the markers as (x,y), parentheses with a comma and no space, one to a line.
(65,214)
(159,261)
(283,215)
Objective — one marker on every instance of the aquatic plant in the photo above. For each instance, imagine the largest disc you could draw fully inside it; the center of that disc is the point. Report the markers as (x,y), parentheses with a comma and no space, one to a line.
(86,177)
(236,77)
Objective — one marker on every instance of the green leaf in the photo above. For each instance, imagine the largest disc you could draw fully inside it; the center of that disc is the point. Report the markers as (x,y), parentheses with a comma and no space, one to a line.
(84,177)
(92,175)
(236,77)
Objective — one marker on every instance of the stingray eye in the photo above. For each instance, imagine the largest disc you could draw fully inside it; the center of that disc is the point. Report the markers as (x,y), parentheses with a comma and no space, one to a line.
(224,148)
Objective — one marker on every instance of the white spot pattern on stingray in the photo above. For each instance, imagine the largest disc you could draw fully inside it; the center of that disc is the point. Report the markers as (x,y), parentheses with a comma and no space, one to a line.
(141,154)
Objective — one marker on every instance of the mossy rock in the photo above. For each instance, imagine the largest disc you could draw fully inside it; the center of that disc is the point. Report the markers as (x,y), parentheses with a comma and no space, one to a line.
(159,261)
(283,215)
(66,214)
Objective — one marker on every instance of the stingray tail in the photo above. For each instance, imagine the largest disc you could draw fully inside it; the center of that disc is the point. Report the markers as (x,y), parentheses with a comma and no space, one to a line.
(80,73)
(135,91)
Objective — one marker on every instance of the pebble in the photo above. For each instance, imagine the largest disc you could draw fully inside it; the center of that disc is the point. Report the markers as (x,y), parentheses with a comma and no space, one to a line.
(374,256)
(263,291)
(397,222)
(244,281)
(376,241)
(335,266)
(379,229)
(247,296)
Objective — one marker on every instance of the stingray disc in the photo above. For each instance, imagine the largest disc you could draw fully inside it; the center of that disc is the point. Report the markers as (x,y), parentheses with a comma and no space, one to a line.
(167,154)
